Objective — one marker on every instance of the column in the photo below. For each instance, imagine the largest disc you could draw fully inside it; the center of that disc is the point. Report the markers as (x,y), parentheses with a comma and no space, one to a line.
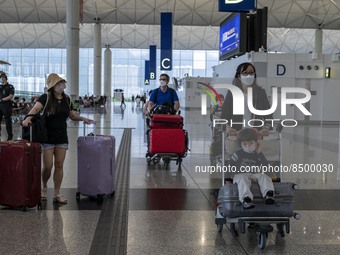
(318,43)
(72,48)
(108,73)
(97,59)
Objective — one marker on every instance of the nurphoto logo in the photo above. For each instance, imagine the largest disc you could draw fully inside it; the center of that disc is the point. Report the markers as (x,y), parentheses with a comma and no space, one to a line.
(238,105)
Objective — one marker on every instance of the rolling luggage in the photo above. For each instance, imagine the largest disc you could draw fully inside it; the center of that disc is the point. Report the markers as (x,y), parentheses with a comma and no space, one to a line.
(20,174)
(96,166)
(168,141)
(166,121)
(231,207)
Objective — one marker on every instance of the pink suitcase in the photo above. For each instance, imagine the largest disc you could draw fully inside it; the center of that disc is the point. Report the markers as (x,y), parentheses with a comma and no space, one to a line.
(167,141)
(20,174)
(96,166)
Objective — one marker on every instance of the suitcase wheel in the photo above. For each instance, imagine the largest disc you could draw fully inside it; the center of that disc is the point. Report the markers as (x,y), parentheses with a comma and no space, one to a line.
(166,163)
(262,238)
(233,230)
(219,228)
(280,230)
(100,197)
(78,196)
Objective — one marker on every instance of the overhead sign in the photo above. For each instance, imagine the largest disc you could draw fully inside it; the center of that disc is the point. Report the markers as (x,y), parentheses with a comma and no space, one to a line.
(166,41)
(152,63)
(236,5)
(147,73)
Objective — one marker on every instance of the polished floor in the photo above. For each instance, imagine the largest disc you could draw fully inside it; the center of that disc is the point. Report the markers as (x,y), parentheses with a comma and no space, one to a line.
(171,211)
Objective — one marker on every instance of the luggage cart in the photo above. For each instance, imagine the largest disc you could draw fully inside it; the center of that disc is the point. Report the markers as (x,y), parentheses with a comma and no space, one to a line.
(230,210)
(166,140)
(166,145)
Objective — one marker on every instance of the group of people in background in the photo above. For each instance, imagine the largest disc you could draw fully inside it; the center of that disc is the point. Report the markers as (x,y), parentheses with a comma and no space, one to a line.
(22,107)
(92,101)
(140,100)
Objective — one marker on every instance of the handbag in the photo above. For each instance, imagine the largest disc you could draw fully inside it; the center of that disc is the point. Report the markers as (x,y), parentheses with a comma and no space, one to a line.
(38,127)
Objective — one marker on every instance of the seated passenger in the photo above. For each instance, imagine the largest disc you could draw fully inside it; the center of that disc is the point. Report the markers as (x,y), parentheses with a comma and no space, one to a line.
(250,155)
(24,107)
(164,95)
(15,105)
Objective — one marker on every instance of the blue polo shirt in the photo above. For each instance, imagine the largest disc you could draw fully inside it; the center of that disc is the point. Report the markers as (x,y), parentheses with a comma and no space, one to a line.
(163,97)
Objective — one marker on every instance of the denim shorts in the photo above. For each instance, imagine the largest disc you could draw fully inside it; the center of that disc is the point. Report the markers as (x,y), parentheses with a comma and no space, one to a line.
(47,146)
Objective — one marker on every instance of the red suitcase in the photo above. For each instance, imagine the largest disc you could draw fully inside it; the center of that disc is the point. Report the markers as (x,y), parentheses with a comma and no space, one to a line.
(167,141)
(166,121)
(20,174)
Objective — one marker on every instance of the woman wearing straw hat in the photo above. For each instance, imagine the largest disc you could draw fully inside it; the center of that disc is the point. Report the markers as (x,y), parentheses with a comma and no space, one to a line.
(58,109)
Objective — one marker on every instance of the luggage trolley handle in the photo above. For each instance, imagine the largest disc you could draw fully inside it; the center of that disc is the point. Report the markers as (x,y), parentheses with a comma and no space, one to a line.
(223,162)
(94,129)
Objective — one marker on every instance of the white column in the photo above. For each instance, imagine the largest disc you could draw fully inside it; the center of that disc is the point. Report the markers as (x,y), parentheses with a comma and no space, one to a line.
(97,60)
(72,40)
(108,72)
(318,42)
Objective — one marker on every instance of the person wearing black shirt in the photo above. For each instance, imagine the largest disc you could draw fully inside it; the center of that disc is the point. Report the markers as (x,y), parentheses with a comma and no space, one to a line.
(57,108)
(6,95)
(245,77)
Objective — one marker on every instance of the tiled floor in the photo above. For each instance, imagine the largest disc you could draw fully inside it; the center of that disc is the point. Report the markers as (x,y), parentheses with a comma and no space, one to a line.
(172,212)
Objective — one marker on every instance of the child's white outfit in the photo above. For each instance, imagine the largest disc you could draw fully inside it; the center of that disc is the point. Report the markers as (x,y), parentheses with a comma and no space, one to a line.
(244,160)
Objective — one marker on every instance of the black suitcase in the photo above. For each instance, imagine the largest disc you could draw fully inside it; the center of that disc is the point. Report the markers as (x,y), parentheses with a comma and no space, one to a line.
(230,206)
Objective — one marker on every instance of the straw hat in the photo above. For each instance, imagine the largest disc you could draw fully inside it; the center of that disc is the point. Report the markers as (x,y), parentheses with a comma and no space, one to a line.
(52,80)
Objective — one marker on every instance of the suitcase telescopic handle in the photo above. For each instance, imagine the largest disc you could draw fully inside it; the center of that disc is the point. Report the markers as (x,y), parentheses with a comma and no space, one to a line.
(21,130)
(94,123)
(223,157)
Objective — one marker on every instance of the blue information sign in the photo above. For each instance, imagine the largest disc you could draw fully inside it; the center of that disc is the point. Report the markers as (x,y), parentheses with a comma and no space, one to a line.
(152,63)
(236,5)
(147,73)
(166,41)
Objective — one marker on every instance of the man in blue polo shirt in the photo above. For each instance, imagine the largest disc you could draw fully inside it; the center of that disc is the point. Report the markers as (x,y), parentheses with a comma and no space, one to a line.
(164,95)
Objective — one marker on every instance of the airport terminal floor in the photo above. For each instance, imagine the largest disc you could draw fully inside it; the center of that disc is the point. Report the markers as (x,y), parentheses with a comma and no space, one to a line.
(171,211)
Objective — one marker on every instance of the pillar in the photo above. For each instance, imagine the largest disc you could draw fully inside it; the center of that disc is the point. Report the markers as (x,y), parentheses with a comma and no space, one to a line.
(72,48)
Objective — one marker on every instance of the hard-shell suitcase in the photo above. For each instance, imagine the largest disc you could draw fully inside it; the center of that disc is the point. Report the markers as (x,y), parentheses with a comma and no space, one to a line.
(20,174)
(166,121)
(167,141)
(231,207)
(96,165)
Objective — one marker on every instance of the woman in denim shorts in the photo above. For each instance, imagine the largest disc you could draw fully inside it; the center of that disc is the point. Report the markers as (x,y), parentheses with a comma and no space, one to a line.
(57,109)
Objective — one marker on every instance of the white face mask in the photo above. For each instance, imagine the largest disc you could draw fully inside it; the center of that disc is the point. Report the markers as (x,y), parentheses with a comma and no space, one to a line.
(249,149)
(247,80)
(59,88)
(162,83)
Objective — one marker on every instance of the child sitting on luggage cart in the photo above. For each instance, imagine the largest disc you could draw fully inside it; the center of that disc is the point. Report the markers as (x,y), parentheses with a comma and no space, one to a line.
(250,155)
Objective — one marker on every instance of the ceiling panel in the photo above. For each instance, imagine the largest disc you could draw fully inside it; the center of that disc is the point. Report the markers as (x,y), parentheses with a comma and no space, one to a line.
(135,23)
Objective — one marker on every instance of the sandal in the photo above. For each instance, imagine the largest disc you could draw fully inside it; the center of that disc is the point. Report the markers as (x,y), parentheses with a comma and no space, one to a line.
(44,194)
(60,199)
